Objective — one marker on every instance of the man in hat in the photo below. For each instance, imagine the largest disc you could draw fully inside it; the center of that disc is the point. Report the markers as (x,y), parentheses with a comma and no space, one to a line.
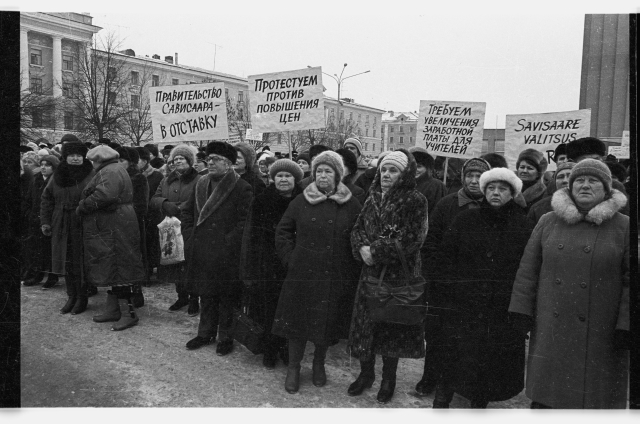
(355,146)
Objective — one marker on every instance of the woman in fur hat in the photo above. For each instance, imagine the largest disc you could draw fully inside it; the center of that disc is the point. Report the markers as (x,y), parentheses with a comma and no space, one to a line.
(394,211)
(312,241)
(260,267)
(572,292)
(479,256)
(111,237)
(530,167)
(245,167)
(59,221)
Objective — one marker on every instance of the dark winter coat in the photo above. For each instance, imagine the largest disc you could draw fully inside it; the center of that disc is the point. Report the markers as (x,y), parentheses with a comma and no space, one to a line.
(213,221)
(539,208)
(574,281)
(400,215)
(431,188)
(257,185)
(531,194)
(26,202)
(312,241)
(59,201)
(110,228)
(480,254)
(365,180)
(38,245)
(140,192)
(259,260)
(176,188)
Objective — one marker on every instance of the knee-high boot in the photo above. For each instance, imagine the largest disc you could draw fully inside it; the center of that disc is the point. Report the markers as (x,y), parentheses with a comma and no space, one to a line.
(388,384)
(296,353)
(319,378)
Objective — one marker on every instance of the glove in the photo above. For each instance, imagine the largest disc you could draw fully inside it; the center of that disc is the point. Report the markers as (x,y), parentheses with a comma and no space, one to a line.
(46,230)
(622,339)
(521,323)
(170,208)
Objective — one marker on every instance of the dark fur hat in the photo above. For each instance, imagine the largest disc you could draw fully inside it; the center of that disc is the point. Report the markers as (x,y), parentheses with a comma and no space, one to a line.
(223,149)
(423,157)
(128,153)
(68,137)
(73,147)
(144,153)
(585,146)
(349,159)
(316,149)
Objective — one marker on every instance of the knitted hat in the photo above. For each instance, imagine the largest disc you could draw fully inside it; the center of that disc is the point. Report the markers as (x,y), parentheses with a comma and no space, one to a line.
(102,153)
(398,159)
(475,164)
(423,157)
(349,160)
(51,159)
(330,158)
(143,153)
(501,174)
(69,137)
(535,158)
(562,166)
(223,149)
(186,151)
(128,153)
(73,148)
(355,142)
(248,153)
(561,149)
(593,168)
(286,165)
(585,146)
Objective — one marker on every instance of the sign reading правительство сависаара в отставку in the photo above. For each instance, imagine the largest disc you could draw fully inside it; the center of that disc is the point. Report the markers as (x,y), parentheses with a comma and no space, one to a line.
(189,112)
(451,129)
(287,101)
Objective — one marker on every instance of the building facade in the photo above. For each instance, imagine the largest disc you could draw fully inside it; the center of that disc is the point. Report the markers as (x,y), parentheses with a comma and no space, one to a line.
(399,130)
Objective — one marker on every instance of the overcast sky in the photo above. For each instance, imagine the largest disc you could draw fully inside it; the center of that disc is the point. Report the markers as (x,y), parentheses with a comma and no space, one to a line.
(517,60)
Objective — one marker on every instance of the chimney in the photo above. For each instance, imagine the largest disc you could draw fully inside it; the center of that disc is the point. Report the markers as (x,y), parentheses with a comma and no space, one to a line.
(156,56)
(176,60)
(391,113)
(168,59)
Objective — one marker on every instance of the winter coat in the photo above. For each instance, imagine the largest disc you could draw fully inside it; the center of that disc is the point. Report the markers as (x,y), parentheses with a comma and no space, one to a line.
(539,208)
(257,185)
(140,192)
(431,188)
(38,245)
(59,201)
(154,177)
(259,260)
(212,225)
(400,215)
(365,180)
(176,188)
(26,202)
(110,228)
(531,194)
(574,281)
(312,241)
(480,254)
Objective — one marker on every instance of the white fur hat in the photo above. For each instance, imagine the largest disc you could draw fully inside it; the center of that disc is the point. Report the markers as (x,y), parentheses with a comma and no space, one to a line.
(501,174)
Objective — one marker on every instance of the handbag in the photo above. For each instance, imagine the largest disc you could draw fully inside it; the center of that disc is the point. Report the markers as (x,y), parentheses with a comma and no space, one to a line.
(245,331)
(171,242)
(402,304)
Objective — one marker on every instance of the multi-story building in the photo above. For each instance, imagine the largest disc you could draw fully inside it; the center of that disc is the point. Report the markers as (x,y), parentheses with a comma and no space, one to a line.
(399,129)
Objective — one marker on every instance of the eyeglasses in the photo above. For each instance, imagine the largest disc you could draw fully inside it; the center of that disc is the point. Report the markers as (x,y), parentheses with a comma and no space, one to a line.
(215,159)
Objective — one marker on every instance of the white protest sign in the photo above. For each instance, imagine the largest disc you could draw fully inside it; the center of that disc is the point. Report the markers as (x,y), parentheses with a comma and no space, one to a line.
(189,112)
(625,139)
(543,132)
(620,152)
(451,129)
(287,101)
(253,135)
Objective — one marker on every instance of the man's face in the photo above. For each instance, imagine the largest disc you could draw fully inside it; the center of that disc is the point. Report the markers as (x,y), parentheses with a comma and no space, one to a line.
(142,164)
(590,156)
(218,165)
(561,159)
(354,149)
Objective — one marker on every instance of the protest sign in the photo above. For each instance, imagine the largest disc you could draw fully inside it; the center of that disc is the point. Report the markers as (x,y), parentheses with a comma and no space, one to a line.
(253,135)
(287,101)
(190,112)
(543,132)
(620,152)
(625,139)
(451,129)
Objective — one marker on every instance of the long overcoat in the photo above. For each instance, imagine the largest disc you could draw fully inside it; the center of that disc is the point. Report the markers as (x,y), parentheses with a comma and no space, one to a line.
(213,221)
(480,254)
(59,201)
(110,228)
(312,240)
(574,280)
(401,215)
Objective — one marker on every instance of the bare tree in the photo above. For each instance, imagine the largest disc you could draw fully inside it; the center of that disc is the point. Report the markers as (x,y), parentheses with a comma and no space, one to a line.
(136,122)
(39,110)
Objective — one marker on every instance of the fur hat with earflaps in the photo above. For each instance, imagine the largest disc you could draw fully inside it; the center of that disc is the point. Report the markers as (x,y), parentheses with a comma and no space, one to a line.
(223,149)
(330,158)
(501,174)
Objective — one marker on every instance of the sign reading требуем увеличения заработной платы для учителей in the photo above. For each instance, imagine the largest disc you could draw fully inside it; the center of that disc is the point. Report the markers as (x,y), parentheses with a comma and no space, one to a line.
(287,101)
(451,129)
(191,112)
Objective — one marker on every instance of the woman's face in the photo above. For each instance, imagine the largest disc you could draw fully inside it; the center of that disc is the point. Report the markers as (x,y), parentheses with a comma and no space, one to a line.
(389,174)
(562,178)
(304,165)
(284,182)
(472,182)
(180,163)
(325,177)
(588,191)
(29,164)
(263,167)
(241,164)
(498,193)
(420,170)
(527,172)
(46,168)
(75,159)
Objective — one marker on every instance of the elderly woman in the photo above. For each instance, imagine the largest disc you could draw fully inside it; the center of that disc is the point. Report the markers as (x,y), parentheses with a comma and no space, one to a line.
(479,254)
(560,180)
(531,166)
(58,220)
(244,166)
(312,240)
(260,267)
(394,211)
(111,237)
(572,292)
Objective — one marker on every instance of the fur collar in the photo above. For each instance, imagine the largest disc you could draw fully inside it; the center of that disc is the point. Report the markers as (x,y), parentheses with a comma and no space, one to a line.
(67,175)
(186,177)
(315,196)
(565,207)
(205,206)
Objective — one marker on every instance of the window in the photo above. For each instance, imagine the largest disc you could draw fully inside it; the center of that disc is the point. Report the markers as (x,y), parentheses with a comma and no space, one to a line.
(36,85)
(36,118)
(174,81)
(67,62)
(373,146)
(359,117)
(391,129)
(332,111)
(135,78)
(411,140)
(366,119)
(226,93)
(401,140)
(68,120)
(36,57)
(359,131)
(155,80)
(412,128)
(342,115)
(111,73)
(366,133)
(375,120)
(67,90)
(366,146)
(390,139)
(401,129)
(351,116)
(240,97)
(374,133)
(112,98)
(135,101)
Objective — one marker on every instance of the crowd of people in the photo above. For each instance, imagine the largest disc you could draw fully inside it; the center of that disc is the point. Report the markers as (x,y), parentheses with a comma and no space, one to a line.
(507,256)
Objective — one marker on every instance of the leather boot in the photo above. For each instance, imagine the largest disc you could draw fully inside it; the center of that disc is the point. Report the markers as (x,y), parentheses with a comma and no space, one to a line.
(365,379)
(292,381)
(80,305)
(319,378)
(388,384)
(128,318)
(69,305)
(111,310)
(443,397)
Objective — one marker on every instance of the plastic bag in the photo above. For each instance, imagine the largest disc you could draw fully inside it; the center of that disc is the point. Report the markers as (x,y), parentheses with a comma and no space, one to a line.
(171,242)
